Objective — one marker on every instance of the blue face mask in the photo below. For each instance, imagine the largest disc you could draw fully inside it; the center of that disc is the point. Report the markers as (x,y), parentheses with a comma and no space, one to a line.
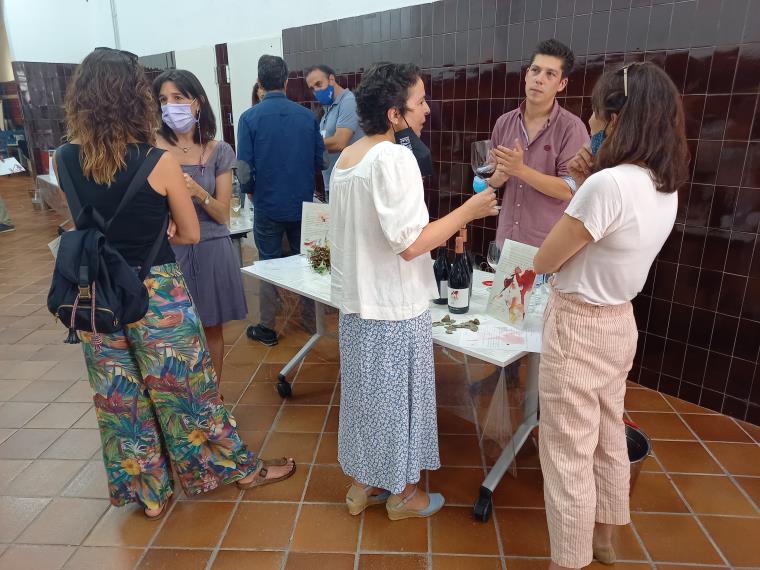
(596,141)
(325,96)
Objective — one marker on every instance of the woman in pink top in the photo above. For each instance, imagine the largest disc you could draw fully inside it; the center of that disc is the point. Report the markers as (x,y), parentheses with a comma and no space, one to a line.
(601,250)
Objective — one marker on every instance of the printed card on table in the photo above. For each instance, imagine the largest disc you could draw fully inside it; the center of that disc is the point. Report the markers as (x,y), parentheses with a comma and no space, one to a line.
(513,283)
(315,224)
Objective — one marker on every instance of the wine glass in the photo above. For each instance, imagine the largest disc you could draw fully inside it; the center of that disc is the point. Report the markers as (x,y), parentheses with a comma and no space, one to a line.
(481,159)
(235,203)
(494,254)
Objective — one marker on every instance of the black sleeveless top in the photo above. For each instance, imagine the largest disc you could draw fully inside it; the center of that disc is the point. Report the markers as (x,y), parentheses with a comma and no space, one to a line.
(134,231)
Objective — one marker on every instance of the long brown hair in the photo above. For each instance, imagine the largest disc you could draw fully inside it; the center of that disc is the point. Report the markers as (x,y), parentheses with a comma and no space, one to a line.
(650,123)
(109,104)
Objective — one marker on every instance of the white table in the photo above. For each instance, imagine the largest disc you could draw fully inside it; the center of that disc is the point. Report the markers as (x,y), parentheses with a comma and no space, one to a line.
(239,227)
(295,275)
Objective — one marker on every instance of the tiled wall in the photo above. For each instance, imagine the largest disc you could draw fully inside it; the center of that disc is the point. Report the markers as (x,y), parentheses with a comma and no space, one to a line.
(699,314)
(226,128)
(41,88)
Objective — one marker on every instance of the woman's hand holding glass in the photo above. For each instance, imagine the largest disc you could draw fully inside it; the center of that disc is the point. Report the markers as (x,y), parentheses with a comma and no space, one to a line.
(482,205)
(580,165)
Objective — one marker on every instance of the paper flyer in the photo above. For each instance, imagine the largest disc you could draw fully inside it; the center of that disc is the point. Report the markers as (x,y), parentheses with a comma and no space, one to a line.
(315,224)
(512,284)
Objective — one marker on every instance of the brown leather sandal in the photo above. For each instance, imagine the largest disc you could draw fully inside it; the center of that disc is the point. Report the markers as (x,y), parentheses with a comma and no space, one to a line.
(162,512)
(261,477)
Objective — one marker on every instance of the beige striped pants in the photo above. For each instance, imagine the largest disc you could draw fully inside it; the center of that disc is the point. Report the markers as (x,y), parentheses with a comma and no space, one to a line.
(586,355)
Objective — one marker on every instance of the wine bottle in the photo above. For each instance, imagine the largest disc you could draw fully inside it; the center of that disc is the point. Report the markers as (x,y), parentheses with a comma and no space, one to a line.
(441,271)
(459,281)
(467,255)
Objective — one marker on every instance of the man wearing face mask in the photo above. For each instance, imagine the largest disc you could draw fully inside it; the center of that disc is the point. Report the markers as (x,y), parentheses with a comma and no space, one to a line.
(280,141)
(533,145)
(339,126)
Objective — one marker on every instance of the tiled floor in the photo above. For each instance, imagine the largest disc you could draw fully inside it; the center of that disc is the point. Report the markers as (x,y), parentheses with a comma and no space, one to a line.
(697,502)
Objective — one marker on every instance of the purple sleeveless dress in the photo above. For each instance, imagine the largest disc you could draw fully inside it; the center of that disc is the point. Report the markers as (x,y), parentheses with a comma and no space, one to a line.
(211,267)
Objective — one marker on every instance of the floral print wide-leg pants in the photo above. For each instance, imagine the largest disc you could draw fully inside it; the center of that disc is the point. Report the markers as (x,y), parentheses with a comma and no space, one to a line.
(158,404)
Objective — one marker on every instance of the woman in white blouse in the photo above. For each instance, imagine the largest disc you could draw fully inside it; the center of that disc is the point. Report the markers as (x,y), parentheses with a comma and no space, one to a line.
(382,281)
(601,251)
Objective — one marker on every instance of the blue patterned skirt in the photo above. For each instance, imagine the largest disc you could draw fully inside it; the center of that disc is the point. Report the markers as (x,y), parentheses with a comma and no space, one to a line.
(388,431)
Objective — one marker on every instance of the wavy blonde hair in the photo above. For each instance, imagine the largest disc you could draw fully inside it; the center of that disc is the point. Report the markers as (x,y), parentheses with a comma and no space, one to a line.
(109,105)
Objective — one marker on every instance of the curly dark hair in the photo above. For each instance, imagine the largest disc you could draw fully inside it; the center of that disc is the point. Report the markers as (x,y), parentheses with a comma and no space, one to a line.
(189,85)
(109,104)
(556,48)
(650,127)
(383,86)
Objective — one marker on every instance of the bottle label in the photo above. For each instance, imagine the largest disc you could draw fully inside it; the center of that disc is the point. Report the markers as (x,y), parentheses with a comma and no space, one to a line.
(443,289)
(459,298)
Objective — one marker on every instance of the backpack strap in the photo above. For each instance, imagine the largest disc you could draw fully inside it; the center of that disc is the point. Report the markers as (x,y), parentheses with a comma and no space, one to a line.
(140,177)
(148,263)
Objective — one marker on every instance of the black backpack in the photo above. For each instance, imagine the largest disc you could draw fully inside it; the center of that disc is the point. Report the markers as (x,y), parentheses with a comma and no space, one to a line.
(94,288)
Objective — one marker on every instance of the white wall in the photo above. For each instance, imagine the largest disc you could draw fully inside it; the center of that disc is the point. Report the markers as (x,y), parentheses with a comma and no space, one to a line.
(202,62)
(60,31)
(243,58)
(6,70)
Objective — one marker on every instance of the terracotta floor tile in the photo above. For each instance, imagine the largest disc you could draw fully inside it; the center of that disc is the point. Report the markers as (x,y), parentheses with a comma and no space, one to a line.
(530,563)
(9,388)
(654,493)
(456,420)
(459,485)
(301,419)
(325,528)
(44,478)
(327,484)
(41,391)
(232,390)
(74,444)
(261,393)
(459,450)
(64,521)
(645,400)
(332,419)
(79,391)
(28,443)
(123,526)
(736,538)
(624,566)
(466,563)
(626,544)
(715,495)
(16,513)
(267,373)
(311,394)
(91,482)
(280,354)
(194,524)
(674,538)
(237,560)
(380,534)
(259,418)
(253,439)
(243,355)
(752,487)
(455,531)
(685,457)
(752,429)
(97,558)
(328,449)
(261,525)
(658,425)
(59,415)
(738,458)
(16,414)
(309,561)
(299,446)
(716,428)
(163,558)
(240,373)
(523,531)
(323,372)
(524,490)
(37,557)
(392,562)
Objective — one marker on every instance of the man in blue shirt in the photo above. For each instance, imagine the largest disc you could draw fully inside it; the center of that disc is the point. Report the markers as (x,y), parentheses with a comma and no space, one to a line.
(281,142)
(340,123)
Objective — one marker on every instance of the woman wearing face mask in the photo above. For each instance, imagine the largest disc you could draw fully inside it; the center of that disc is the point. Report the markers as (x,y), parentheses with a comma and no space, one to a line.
(382,281)
(602,250)
(211,267)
